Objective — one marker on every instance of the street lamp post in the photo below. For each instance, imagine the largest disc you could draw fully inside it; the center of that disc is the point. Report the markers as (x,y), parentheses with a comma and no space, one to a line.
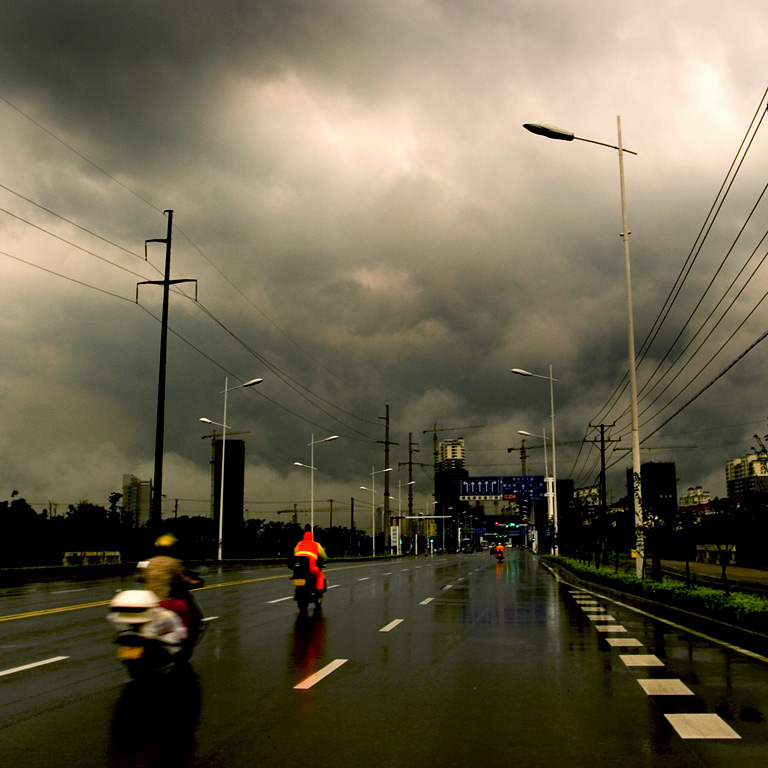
(551,506)
(551,132)
(551,380)
(400,486)
(311,467)
(223,426)
(374,472)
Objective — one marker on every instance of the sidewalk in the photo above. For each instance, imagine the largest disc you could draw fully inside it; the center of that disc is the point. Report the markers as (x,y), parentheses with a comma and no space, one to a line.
(749,578)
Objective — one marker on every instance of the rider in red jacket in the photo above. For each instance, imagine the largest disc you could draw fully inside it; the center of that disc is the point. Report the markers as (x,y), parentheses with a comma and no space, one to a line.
(315,552)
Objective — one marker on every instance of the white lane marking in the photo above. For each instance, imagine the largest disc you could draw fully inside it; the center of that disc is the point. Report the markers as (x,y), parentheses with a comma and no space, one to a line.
(391,625)
(609,628)
(669,623)
(280,600)
(365,578)
(447,586)
(625,642)
(208,618)
(702,726)
(33,665)
(641,660)
(665,688)
(600,617)
(427,601)
(66,591)
(333,586)
(388,573)
(403,570)
(318,676)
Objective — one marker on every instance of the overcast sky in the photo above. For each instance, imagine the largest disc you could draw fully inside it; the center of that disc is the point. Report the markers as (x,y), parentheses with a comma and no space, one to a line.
(369,224)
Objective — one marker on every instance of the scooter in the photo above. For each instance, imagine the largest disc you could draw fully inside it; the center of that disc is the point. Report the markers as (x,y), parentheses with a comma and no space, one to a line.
(150,638)
(305,591)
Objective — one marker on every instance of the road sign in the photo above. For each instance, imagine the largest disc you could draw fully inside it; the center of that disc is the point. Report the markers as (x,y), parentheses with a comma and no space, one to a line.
(507,488)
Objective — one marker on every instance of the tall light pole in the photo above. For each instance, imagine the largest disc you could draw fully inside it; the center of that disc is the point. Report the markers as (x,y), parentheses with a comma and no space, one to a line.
(374,472)
(551,132)
(551,380)
(311,467)
(223,426)
(400,486)
(551,507)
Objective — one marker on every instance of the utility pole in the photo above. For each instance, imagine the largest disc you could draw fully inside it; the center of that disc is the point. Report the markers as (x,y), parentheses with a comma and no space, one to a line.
(387,443)
(157,496)
(412,448)
(352,525)
(603,490)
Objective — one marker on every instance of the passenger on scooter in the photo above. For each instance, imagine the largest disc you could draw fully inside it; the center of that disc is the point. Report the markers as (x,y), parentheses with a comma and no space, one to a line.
(309,548)
(164,575)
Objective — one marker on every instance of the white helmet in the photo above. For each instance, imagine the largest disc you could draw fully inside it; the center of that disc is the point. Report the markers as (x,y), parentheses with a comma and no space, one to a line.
(131,605)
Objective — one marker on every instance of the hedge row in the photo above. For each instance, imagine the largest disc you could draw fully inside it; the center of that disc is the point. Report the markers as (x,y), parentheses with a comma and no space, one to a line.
(738,608)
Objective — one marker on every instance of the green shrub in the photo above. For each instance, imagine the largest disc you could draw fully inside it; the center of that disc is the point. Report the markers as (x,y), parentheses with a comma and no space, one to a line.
(737,608)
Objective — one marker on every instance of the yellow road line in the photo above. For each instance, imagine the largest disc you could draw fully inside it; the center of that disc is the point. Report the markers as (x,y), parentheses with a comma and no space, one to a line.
(102,603)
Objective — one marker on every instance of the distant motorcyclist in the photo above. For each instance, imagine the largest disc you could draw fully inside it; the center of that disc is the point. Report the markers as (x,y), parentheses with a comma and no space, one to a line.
(498,550)
(164,575)
(314,551)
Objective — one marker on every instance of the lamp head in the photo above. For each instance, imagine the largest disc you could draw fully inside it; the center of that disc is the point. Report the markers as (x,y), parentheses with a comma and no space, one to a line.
(549,131)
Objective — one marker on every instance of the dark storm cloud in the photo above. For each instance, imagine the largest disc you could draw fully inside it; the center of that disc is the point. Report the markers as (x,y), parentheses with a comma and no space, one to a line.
(388,232)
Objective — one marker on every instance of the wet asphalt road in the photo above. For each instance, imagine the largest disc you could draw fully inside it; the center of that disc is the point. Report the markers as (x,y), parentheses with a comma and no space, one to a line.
(448,660)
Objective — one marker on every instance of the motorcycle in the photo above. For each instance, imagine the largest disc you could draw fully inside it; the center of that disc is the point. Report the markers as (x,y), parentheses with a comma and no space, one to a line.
(500,557)
(305,589)
(151,638)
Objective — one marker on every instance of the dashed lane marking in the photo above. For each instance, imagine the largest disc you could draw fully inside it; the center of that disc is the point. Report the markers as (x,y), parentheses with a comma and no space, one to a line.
(624,642)
(391,625)
(279,600)
(610,628)
(427,601)
(665,687)
(641,660)
(640,612)
(318,676)
(701,726)
(33,665)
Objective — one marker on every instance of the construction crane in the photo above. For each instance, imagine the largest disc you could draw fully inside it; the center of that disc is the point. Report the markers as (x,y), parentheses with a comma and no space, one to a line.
(523,456)
(762,454)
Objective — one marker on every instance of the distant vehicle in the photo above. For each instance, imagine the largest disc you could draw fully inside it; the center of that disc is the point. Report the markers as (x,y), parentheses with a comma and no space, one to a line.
(466,546)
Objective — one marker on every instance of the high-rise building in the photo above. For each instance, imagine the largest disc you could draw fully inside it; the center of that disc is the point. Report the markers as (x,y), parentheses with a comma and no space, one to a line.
(658,490)
(747,474)
(137,500)
(234,488)
(449,471)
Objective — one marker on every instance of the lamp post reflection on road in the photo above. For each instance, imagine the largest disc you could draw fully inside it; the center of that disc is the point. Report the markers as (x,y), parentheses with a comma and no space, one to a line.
(551,132)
